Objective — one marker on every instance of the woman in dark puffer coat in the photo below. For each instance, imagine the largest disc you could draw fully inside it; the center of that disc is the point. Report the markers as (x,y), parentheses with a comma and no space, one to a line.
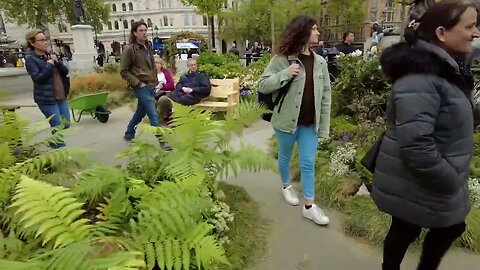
(422,169)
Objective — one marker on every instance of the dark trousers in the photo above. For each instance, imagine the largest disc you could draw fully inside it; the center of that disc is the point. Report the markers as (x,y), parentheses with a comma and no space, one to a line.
(436,244)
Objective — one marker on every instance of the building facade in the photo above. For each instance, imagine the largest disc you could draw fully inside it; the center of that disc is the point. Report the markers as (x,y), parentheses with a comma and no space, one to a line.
(386,12)
(163,17)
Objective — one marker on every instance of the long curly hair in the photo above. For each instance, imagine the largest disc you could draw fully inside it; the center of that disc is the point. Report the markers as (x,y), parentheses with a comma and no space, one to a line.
(296,35)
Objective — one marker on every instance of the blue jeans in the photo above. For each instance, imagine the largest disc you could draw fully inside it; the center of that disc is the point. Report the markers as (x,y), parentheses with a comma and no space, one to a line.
(145,106)
(61,116)
(307,140)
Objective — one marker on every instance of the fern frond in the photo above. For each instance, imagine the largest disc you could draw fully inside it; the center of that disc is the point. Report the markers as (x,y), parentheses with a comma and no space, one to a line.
(17,265)
(97,181)
(56,158)
(247,113)
(209,252)
(247,158)
(72,256)
(6,156)
(52,210)
(119,261)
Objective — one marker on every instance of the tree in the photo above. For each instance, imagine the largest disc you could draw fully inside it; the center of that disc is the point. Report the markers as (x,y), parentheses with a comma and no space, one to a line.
(209,8)
(253,20)
(350,12)
(40,13)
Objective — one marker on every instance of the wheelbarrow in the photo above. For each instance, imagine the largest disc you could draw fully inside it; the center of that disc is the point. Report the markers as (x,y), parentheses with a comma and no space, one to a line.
(93,104)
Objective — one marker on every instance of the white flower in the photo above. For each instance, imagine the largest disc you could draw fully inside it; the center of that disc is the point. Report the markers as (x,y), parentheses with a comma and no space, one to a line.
(342,159)
(474,186)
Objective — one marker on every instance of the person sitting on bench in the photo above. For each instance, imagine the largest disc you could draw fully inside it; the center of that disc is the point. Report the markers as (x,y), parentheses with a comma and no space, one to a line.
(192,87)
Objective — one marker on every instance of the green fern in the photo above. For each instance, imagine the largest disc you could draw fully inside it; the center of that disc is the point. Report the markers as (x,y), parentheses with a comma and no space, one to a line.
(97,181)
(170,225)
(52,210)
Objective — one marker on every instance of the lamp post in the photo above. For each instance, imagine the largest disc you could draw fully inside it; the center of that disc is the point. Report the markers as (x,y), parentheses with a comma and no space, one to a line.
(122,19)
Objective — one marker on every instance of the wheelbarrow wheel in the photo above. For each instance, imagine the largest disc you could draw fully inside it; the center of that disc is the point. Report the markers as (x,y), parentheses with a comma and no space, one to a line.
(102,114)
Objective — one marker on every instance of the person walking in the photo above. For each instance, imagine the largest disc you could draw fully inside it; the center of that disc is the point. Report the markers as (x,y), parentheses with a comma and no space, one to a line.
(422,168)
(305,111)
(138,68)
(50,83)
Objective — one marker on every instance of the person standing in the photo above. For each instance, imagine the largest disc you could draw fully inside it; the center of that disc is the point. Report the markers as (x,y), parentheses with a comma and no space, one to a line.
(305,111)
(137,67)
(422,169)
(50,82)
(346,47)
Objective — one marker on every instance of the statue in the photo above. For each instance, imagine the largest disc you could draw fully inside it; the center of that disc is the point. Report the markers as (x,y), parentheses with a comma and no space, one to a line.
(78,12)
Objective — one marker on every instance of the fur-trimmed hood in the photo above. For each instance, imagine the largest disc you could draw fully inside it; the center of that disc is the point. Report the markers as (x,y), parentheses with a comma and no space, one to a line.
(402,59)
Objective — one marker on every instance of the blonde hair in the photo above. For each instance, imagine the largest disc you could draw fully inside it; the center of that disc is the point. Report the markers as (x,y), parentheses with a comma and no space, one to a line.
(160,60)
(31,37)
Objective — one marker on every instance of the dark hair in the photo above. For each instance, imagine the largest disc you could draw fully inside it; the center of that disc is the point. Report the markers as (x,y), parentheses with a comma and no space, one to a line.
(444,14)
(296,34)
(345,35)
(135,26)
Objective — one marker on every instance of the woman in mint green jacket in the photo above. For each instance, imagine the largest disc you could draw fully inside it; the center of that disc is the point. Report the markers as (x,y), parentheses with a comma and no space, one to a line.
(305,111)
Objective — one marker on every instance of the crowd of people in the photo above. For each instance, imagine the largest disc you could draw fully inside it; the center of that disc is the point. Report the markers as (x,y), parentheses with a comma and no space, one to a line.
(422,162)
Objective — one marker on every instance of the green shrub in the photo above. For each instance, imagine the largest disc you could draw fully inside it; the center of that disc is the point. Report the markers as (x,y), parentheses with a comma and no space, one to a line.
(119,92)
(364,220)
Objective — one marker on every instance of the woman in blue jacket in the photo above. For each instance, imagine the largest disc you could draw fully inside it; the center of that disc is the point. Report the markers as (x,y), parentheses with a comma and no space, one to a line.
(50,82)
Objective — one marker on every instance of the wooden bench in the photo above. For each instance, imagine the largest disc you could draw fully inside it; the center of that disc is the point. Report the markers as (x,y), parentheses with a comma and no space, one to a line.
(226,95)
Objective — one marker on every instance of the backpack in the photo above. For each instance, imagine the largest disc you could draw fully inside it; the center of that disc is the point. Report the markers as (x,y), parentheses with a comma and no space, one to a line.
(267,101)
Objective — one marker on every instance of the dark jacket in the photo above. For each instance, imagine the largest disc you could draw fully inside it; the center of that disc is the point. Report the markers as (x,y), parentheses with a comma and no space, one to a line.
(199,83)
(137,65)
(423,165)
(41,73)
(346,48)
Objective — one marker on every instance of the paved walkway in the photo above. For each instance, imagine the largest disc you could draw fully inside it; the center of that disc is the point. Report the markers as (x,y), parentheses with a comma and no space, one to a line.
(295,243)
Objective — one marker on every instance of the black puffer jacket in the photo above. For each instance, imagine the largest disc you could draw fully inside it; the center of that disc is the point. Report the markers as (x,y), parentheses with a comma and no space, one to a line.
(423,166)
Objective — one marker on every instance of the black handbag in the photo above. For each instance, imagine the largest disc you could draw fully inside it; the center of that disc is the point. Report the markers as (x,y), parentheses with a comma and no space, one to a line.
(370,159)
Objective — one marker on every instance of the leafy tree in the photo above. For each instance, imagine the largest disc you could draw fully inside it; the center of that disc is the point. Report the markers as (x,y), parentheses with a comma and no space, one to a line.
(209,8)
(39,13)
(253,20)
(349,12)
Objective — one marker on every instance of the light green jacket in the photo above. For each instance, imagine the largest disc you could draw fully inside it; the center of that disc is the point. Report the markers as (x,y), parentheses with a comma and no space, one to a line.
(277,75)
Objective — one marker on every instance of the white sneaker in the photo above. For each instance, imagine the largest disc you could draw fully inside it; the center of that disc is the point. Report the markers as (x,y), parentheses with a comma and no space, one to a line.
(290,195)
(316,214)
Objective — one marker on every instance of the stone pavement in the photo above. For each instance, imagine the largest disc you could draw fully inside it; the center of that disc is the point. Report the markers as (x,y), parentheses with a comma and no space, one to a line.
(294,243)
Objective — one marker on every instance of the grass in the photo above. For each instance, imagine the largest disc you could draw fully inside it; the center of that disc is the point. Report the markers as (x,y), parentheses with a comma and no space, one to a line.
(249,232)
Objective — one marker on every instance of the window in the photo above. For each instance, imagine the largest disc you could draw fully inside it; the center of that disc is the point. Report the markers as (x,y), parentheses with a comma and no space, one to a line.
(109,25)
(114,8)
(125,24)
(100,27)
(149,22)
(171,21)
(205,20)
(124,7)
(165,21)
(165,3)
(60,28)
(186,20)
(116,25)
(130,6)
(132,22)
(194,19)
(389,3)
(389,16)
(169,3)
(374,4)
(142,20)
